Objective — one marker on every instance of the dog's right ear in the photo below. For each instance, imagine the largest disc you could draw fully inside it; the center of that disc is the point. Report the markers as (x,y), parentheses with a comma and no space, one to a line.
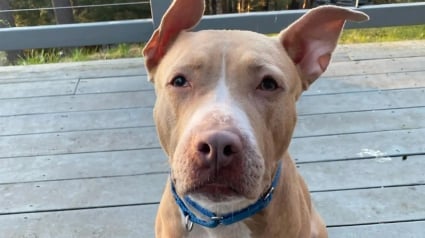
(181,15)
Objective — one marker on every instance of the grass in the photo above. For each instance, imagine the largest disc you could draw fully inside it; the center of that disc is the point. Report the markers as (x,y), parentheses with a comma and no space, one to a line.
(384,34)
(44,56)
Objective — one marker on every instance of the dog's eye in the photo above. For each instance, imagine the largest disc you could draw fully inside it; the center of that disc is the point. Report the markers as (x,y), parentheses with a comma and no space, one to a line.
(179,82)
(268,84)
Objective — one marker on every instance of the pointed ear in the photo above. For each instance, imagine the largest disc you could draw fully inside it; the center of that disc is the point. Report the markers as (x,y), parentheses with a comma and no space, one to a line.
(311,40)
(181,15)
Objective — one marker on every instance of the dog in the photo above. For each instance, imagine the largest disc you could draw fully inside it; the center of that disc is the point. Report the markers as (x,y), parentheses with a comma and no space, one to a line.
(225,114)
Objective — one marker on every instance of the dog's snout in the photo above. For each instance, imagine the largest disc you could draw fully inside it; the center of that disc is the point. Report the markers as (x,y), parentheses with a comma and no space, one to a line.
(218,148)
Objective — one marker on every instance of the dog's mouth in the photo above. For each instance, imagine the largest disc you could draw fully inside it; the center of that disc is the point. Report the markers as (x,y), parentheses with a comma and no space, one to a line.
(216,191)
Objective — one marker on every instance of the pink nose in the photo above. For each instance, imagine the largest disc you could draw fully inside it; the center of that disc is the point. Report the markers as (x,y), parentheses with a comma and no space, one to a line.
(218,148)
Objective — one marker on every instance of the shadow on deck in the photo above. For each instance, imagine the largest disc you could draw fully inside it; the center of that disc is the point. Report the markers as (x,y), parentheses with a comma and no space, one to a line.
(79,155)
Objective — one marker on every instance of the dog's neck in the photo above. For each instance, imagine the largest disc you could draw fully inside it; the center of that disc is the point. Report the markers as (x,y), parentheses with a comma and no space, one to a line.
(213,220)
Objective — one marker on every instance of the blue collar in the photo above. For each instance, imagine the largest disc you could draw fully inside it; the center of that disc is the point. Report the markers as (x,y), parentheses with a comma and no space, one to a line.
(226,219)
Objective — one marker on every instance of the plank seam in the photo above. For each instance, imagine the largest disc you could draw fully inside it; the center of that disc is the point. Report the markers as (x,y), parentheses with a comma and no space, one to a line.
(123,91)
(76,87)
(364,91)
(76,111)
(111,77)
(82,94)
(153,127)
(87,178)
(353,59)
(370,187)
(159,147)
(358,158)
(78,153)
(78,208)
(377,223)
(73,131)
(357,132)
(10,82)
(368,110)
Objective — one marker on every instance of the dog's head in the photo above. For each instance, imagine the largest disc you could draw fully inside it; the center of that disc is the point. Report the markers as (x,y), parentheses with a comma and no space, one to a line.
(225,108)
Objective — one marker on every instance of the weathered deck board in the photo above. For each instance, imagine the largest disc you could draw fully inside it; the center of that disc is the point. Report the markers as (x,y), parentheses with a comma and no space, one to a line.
(359,206)
(362,101)
(359,173)
(37,89)
(75,121)
(72,194)
(364,206)
(364,173)
(305,149)
(308,125)
(360,122)
(366,82)
(78,142)
(309,104)
(136,221)
(371,205)
(86,102)
(106,164)
(113,84)
(414,229)
(385,143)
(61,71)
(79,154)
(378,66)
(128,221)
(384,50)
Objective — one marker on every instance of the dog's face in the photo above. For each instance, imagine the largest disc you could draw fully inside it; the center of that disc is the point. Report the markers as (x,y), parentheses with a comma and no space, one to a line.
(237,87)
(225,108)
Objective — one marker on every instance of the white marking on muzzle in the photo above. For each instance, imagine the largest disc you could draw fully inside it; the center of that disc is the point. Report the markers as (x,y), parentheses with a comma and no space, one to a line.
(224,109)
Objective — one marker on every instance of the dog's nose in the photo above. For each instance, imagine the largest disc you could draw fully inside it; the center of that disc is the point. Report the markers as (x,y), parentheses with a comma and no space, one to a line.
(218,148)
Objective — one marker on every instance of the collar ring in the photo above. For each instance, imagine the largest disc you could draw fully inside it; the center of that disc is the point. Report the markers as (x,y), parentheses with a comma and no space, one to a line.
(188,224)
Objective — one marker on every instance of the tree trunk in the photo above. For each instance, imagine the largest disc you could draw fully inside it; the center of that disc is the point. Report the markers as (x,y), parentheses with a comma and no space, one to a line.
(225,6)
(7,20)
(213,7)
(63,11)
(207,7)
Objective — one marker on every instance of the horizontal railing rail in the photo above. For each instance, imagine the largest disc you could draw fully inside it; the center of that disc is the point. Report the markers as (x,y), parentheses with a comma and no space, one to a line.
(136,31)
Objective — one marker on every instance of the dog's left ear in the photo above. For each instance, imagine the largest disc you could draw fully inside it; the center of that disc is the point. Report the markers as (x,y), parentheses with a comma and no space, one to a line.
(181,15)
(311,40)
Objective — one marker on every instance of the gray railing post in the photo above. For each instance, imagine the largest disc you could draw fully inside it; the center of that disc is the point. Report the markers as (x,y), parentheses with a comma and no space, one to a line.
(158,8)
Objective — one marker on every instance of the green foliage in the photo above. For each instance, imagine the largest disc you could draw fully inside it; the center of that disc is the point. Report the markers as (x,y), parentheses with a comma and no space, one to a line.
(134,50)
(89,14)
(32,18)
(4,23)
(93,14)
(40,57)
(43,56)
(111,13)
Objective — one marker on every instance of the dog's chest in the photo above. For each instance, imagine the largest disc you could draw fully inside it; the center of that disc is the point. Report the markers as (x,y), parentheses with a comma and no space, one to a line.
(238,230)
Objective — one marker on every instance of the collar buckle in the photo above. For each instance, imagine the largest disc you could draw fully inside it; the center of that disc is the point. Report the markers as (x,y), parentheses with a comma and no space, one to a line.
(216,218)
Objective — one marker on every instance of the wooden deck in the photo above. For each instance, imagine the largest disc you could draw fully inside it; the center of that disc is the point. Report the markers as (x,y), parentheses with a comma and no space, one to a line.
(79,155)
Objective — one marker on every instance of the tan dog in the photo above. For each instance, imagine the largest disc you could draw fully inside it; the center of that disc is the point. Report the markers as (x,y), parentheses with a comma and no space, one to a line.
(225,114)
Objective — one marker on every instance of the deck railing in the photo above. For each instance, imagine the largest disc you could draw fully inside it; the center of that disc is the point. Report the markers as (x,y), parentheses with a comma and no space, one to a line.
(132,31)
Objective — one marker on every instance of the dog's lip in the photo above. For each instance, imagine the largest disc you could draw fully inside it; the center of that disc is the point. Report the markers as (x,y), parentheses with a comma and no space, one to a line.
(215,189)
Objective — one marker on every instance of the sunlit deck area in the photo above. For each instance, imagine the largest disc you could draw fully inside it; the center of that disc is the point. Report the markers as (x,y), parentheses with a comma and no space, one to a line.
(79,156)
